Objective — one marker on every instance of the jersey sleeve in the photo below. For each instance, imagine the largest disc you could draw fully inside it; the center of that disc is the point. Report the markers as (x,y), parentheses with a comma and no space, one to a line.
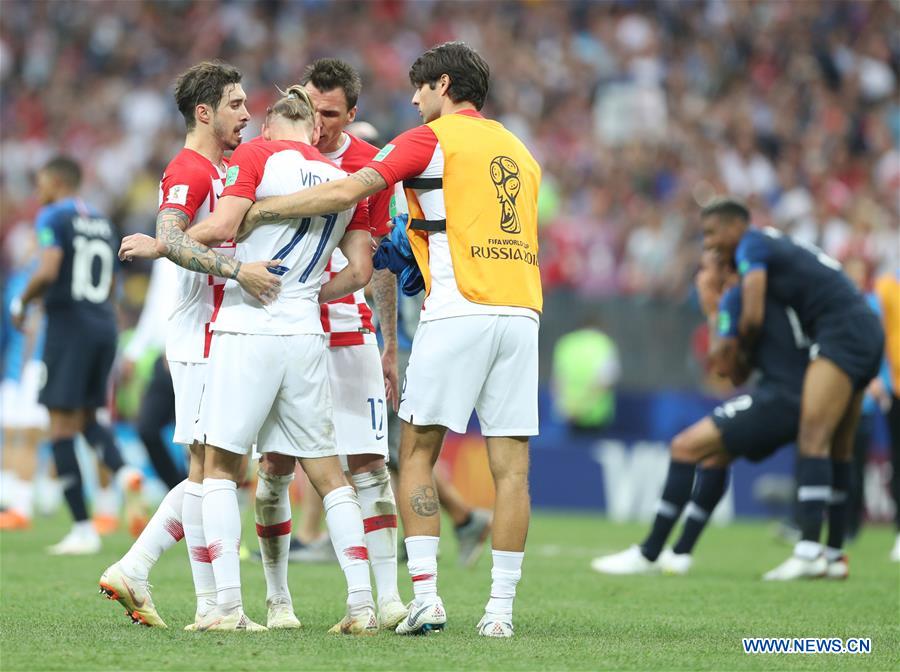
(379,212)
(729,313)
(248,163)
(752,253)
(406,156)
(360,220)
(48,226)
(185,188)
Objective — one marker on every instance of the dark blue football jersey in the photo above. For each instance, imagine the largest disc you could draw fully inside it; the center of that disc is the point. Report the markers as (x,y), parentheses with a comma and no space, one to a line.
(82,289)
(782,351)
(798,275)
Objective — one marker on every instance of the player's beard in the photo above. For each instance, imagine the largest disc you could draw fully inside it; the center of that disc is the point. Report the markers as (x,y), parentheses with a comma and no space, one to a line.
(229,139)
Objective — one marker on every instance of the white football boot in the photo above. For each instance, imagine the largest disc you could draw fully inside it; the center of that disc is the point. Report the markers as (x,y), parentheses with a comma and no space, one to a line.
(390,613)
(281,616)
(795,568)
(423,618)
(495,625)
(362,622)
(839,568)
(895,552)
(674,564)
(81,540)
(233,621)
(132,594)
(629,561)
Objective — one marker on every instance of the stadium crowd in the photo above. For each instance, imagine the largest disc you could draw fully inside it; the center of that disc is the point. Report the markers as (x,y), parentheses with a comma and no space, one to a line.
(638,111)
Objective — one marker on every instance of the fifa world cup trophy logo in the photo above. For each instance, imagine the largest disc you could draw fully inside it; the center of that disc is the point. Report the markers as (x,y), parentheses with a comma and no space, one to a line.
(505,176)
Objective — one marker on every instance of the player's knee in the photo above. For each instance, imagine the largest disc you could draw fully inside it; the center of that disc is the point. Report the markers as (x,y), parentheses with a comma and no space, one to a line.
(275,464)
(683,448)
(361,464)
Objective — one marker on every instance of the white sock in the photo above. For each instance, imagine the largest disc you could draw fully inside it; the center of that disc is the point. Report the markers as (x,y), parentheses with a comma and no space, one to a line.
(422,565)
(833,554)
(22,497)
(84,528)
(505,575)
(344,520)
(161,533)
(106,503)
(201,568)
(808,550)
(222,529)
(8,480)
(379,512)
(273,528)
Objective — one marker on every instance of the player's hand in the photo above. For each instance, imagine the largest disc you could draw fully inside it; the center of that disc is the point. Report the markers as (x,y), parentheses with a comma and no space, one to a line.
(256,279)
(879,393)
(126,371)
(708,292)
(17,313)
(391,378)
(138,246)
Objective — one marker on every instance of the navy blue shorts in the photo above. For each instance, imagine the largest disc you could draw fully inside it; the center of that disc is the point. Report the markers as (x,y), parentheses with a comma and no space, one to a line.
(78,362)
(854,342)
(755,425)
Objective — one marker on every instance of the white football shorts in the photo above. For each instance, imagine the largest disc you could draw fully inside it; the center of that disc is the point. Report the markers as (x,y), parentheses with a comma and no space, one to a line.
(268,390)
(488,363)
(357,390)
(188,379)
(19,407)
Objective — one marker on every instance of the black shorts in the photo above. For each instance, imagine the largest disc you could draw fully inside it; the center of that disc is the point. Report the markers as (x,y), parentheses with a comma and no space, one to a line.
(78,361)
(757,424)
(854,342)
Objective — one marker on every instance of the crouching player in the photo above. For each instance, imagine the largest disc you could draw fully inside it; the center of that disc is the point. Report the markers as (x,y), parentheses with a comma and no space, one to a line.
(752,426)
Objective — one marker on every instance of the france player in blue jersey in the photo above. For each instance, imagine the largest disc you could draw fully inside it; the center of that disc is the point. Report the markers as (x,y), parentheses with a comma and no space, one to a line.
(847,343)
(752,425)
(75,278)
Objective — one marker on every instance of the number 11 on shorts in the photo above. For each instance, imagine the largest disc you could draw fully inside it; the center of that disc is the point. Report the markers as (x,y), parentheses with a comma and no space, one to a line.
(376,408)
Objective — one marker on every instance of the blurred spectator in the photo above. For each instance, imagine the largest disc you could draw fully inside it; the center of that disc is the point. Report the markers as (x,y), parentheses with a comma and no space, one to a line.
(585,371)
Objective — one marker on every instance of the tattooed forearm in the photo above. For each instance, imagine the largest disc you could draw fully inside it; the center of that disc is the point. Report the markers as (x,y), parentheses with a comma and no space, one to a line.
(384,290)
(177,246)
(424,501)
(370,178)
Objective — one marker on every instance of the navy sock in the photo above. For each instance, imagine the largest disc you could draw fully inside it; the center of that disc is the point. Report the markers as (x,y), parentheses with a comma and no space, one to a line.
(711,485)
(676,493)
(813,495)
(69,475)
(838,506)
(101,440)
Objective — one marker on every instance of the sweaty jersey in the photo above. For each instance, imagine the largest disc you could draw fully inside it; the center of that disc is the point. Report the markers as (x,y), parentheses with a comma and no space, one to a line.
(782,351)
(191,184)
(799,275)
(81,291)
(348,321)
(276,168)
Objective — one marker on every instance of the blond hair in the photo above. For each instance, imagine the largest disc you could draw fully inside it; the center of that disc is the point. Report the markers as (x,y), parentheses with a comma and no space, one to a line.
(294,105)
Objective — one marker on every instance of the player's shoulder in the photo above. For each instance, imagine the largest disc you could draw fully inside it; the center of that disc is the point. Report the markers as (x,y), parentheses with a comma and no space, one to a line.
(360,150)
(188,164)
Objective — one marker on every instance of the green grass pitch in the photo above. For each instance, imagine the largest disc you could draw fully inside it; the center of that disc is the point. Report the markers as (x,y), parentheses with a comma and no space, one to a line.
(567,617)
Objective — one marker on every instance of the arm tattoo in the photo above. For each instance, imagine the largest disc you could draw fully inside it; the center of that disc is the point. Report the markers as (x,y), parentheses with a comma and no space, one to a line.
(424,501)
(384,289)
(187,252)
(369,177)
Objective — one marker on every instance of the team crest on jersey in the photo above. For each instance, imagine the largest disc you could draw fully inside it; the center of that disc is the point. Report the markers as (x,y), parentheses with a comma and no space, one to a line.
(232,175)
(387,149)
(178,194)
(505,176)
(724,323)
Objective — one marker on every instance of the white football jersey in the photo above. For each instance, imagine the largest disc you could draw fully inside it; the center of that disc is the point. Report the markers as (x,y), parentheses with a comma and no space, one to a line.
(304,246)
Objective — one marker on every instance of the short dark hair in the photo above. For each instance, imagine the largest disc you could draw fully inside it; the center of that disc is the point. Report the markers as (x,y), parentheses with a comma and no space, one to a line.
(469,73)
(203,84)
(726,207)
(66,169)
(331,73)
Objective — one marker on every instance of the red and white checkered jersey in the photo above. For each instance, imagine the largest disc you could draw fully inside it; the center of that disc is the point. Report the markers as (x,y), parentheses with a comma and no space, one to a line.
(418,153)
(348,321)
(304,246)
(192,183)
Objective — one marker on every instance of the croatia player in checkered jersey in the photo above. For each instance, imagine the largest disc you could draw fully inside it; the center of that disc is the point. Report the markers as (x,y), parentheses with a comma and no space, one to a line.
(355,371)
(279,395)
(210,98)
